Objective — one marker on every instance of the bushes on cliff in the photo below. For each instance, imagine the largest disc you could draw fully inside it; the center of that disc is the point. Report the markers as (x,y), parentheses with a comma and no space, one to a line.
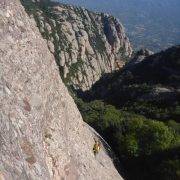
(134,138)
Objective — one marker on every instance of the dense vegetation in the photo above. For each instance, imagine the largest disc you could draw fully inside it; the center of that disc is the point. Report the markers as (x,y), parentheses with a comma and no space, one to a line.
(147,149)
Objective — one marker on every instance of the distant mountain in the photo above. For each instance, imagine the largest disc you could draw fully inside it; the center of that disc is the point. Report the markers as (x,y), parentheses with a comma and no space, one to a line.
(85,44)
(153,24)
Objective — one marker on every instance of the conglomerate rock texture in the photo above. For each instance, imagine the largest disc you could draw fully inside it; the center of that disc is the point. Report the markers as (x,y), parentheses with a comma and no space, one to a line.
(85,44)
(42,134)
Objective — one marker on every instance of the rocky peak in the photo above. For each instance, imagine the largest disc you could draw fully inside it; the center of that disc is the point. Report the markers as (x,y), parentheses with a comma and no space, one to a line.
(42,134)
(85,44)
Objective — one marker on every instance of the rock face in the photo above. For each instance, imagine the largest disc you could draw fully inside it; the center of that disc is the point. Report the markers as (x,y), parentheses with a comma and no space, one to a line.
(42,134)
(85,44)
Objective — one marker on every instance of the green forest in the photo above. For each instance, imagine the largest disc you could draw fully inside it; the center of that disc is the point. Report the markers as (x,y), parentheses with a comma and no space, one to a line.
(137,111)
(146,148)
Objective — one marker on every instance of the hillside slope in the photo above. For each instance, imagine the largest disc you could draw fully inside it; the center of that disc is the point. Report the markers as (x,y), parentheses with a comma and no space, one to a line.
(42,134)
(85,44)
(150,85)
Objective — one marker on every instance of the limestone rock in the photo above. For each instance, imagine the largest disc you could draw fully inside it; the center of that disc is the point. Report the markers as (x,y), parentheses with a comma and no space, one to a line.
(42,134)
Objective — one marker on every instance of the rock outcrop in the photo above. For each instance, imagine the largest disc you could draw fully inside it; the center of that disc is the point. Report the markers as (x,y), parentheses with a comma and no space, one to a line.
(42,134)
(85,44)
(139,57)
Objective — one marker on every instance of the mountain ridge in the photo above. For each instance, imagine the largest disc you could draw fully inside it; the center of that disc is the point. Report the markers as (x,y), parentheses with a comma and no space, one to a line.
(149,24)
(85,44)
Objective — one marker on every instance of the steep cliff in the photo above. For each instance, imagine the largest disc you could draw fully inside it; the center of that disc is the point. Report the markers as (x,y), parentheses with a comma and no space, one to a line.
(85,44)
(42,134)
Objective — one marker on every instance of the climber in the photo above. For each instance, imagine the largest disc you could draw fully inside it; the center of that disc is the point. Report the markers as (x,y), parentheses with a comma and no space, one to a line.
(96,147)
